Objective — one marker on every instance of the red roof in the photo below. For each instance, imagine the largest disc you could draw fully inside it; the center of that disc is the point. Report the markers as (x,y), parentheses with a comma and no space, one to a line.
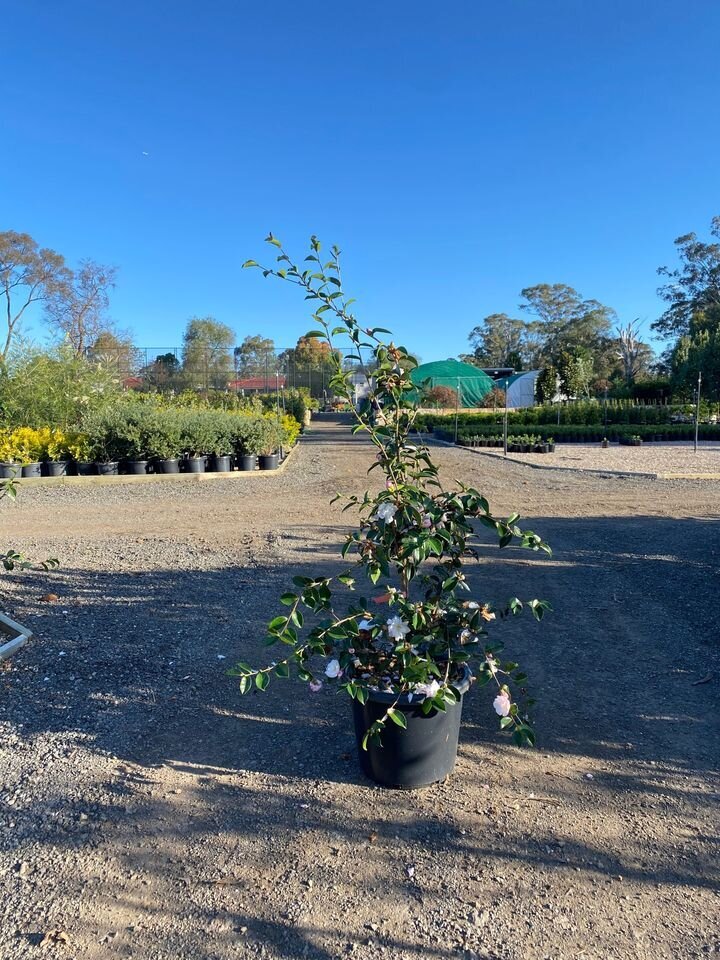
(257,383)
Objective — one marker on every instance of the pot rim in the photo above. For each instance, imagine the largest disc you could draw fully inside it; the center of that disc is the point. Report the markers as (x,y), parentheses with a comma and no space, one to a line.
(381,696)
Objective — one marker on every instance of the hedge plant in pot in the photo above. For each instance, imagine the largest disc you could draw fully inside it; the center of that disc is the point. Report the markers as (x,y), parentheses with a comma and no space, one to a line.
(270,441)
(196,437)
(30,449)
(164,441)
(58,454)
(10,466)
(220,445)
(247,439)
(408,652)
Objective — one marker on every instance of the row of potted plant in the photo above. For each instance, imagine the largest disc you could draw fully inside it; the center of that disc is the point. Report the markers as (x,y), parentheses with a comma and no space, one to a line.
(137,439)
(527,443)
(591,434)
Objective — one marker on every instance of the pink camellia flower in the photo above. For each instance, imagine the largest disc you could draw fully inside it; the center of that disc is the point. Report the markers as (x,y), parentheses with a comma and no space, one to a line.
(333,670)
(502,704)
(315,686)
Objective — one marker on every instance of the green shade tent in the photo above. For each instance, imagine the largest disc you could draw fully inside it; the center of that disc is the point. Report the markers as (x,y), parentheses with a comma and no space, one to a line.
(471,384)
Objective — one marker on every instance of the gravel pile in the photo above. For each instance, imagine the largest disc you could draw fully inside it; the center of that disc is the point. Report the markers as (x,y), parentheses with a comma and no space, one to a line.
(147,811)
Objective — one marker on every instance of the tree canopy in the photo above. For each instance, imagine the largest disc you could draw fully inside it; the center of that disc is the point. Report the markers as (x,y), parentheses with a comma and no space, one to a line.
(79,308)
(28,274)
(207,353)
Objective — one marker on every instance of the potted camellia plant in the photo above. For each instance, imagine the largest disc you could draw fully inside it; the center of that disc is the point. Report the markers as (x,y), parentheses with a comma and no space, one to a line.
(409,651)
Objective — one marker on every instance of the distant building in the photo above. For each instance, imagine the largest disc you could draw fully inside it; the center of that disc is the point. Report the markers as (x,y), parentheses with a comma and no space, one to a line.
(520,388)
(257,384)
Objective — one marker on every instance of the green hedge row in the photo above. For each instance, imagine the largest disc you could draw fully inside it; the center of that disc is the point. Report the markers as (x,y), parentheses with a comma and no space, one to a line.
(569,433)
(581,414)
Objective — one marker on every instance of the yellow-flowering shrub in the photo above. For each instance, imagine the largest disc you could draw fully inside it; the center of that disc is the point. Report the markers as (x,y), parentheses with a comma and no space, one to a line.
(26,445)
(68,445)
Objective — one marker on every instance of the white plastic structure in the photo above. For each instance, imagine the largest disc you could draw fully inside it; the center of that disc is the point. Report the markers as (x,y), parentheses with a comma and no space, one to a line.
(17,636)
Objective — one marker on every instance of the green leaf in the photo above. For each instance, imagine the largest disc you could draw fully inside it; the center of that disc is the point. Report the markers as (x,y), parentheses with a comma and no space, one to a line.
(261,681)
(315,334)
(276,623)
(288,599)
(398,718)
(505,722)
(250,263)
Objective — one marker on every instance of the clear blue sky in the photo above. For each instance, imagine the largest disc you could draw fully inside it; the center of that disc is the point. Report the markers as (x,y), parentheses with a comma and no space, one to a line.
(456,151)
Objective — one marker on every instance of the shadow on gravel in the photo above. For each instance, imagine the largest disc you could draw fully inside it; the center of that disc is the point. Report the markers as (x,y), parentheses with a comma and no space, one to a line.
(626,670)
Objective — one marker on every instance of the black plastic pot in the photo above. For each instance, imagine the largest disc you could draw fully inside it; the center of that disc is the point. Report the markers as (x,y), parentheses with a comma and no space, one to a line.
(8,471)
(247,461)
(106,469)
(167,466)
(268,461)
(86,468)
(194,464)
(32,470)
(136,468)
(423,753)
(220,464)
(57,468)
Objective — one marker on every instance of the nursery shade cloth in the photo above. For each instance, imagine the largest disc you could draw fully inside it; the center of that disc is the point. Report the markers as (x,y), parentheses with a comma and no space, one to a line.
(471,383)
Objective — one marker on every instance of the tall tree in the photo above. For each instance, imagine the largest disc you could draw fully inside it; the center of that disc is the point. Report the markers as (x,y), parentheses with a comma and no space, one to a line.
(28,274)
(256,357)
(79,311)
(498,340)
(115,351)
(629,350)
(564,321)
(207,353)
(692,288)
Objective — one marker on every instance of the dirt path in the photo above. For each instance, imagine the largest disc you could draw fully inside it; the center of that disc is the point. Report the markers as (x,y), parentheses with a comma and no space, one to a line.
(147,811)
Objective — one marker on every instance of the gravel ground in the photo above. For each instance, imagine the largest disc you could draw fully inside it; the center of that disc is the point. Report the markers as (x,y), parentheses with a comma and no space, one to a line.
(147,811)
(658,458)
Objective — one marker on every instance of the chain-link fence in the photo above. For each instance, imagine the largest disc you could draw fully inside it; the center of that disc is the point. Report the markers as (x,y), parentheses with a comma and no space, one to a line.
(175,369)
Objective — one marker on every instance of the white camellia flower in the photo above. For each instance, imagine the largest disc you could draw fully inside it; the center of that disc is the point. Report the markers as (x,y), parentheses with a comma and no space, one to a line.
(397,628)
(426,521)
(333,670)
(386,512)
(365,625)
(502,704)
(427,689)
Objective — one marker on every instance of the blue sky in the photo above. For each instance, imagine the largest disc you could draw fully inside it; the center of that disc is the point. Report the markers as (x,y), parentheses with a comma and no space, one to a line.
(457,152)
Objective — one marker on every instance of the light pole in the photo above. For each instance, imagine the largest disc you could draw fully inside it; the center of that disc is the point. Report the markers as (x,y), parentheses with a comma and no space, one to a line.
(697,410)
(505,418)
(457,405)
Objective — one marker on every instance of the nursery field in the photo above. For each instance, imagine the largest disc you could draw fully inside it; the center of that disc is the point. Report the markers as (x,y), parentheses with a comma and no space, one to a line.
(147,811)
